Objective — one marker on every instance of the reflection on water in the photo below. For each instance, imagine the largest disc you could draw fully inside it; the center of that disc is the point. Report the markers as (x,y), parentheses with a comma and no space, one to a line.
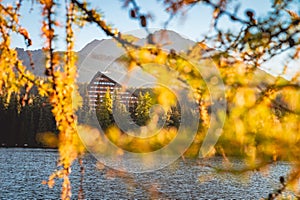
(23,170)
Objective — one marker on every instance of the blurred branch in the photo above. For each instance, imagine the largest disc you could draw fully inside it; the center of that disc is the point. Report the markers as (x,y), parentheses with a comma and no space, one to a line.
(93,16)
(135,13)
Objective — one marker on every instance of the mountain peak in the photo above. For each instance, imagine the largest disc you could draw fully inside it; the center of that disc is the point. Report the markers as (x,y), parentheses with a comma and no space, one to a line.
(170,40)
(91,45)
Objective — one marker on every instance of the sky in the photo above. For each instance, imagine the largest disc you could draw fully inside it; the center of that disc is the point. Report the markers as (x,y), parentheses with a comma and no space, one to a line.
(194,25)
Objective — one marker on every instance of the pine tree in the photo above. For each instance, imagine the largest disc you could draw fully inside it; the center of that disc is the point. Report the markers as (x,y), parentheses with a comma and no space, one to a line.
(42,117)
(120,114)
(84,112)
(173,117)
(142,110)
(25,124)
(104,110)
(3,121)
(13,123)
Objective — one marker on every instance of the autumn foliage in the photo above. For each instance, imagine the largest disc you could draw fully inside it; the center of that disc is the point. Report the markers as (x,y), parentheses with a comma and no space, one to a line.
(261,116)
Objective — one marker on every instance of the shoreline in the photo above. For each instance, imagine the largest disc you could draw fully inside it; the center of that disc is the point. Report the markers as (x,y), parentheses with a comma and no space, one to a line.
(25,147)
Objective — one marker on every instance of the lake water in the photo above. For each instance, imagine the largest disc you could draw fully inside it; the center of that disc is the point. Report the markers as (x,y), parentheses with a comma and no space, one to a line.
(23,170)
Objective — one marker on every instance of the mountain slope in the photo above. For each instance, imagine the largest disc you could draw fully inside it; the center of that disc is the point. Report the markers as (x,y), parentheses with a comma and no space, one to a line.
(38,60)
(100,55)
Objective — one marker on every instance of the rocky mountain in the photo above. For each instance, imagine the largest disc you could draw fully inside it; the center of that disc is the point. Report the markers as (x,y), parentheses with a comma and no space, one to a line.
(101,55)
(36,65)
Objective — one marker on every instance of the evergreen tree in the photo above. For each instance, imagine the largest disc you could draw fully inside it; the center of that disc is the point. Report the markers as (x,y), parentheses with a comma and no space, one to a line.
(26,125)
(84,112)
(46,121)
(104,110)
(142,110)
(173,117)
(13,121)
(3,122)
(120,114)
(132,110)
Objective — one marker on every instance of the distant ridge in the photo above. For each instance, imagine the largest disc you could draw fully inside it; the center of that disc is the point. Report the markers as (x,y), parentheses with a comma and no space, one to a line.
(99,56)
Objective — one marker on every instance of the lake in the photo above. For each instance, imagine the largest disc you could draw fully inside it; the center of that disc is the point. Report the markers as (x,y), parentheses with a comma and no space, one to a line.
(24,169)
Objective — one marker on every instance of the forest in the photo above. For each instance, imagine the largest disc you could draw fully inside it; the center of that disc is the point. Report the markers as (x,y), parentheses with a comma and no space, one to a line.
(31,124)
(23,123)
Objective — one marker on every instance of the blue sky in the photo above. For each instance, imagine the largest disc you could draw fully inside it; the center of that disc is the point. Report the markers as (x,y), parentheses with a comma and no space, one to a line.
(193,25)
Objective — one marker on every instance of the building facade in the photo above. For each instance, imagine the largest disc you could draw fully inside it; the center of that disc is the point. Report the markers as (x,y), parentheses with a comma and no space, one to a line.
(99,86)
